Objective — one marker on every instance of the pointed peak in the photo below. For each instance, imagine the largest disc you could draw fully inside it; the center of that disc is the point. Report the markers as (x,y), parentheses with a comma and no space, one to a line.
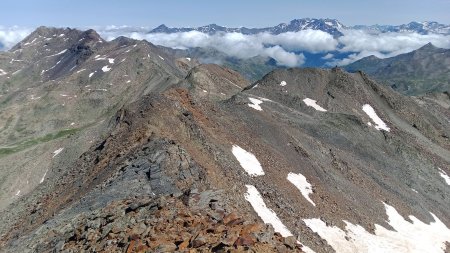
(161,29)
(428,46)
(372,57)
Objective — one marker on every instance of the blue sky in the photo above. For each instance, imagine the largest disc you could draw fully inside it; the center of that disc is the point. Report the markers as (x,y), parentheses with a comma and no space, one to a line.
(250,13)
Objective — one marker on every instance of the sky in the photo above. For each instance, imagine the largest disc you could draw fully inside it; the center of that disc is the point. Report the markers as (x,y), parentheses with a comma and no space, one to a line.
(232,13)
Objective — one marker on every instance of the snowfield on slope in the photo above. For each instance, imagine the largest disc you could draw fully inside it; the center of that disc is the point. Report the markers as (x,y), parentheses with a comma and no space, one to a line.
(267,215)
(248,161)
(302,184)
(313,104)
(379,123)
(407,237)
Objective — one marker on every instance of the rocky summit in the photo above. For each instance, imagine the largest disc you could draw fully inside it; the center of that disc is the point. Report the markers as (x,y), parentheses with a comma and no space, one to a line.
(122,146)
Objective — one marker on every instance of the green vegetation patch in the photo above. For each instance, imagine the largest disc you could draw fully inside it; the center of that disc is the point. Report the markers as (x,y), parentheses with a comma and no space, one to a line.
(32,142)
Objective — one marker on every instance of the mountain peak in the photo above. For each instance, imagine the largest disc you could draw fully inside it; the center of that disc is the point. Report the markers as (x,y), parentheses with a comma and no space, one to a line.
(91,35)
(428,46)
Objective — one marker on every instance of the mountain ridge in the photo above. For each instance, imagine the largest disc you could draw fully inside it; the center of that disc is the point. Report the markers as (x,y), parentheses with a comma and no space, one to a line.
(166,154)
(415,73)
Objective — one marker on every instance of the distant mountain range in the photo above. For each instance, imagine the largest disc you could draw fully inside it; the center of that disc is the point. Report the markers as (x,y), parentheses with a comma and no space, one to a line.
(426,27)
(424,70)
(331,26)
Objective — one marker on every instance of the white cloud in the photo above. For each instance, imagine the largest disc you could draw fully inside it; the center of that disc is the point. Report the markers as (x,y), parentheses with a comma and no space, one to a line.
(284,58)
(280,47)
(328,56)
(384,45)
(313,41)
(9,36)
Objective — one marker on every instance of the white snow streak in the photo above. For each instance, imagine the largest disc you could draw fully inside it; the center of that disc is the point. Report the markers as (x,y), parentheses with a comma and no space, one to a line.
(62,52)
(302,184)
(255,104)
(266,214)
(407,237)
(91,74)
(444,176)
(2,72)
(379,123)
(43,177)
(56,152)
(161,57)
(248,161)
(313,104)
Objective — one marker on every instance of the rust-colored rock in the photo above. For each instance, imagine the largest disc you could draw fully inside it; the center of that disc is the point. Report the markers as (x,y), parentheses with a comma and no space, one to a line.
(244,241)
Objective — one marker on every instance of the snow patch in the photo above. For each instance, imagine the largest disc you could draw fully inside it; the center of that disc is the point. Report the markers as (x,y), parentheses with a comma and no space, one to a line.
(129,81)
(302,184)
(266,214)
(255,104)
(407,237)
(283,83)
(2,72)
(444,176)
(81,70)
(248,161)
(379,124)
(187,58)
(111,60)
(161,57)
(91,74)
(313,104)
(18,193)
(106,69)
